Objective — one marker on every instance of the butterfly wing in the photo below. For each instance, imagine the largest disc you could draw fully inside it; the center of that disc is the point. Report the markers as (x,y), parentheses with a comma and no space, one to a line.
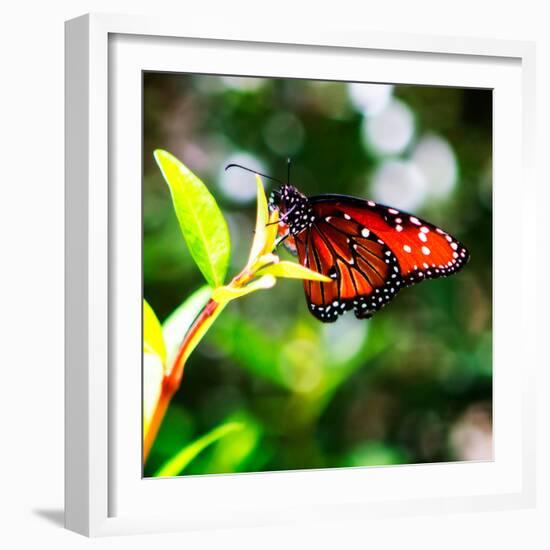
(370,251)
(365,272)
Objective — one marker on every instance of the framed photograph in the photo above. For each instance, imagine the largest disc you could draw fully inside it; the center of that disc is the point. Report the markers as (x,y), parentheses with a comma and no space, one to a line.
(289,273)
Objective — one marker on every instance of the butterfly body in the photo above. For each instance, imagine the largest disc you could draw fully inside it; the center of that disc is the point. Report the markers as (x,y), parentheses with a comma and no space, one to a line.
(370,251)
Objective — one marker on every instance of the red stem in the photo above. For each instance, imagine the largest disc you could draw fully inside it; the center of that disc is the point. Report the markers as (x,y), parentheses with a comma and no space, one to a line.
(172,379)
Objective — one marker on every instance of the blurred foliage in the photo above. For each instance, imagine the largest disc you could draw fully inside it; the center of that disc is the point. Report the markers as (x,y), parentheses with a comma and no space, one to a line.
(412,385)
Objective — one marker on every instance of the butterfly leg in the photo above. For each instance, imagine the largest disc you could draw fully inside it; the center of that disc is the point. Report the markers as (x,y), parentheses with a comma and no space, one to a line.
(280,240)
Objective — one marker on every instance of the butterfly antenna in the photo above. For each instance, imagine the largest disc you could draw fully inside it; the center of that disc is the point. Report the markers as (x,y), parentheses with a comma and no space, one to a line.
(254,172)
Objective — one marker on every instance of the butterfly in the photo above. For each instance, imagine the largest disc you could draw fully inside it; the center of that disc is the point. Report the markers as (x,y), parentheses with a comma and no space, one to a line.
(369,250)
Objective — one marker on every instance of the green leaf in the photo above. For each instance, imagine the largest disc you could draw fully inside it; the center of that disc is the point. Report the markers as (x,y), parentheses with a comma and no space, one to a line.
(224,294)
(153,340)
(234,452)
(292,270)
(175,327)
(201,222)
(262,217)
(179,462)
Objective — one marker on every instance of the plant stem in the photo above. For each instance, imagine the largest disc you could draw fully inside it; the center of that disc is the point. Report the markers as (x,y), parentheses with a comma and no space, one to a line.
(173,376)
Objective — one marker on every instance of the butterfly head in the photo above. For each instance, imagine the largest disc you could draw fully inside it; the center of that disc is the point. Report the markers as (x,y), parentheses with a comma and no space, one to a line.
(295,210)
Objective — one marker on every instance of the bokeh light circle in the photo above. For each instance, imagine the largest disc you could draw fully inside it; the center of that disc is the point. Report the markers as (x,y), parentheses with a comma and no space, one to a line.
(243,83)
(284,133)
(391,131)
(370,99)
(436,159)
(399,183)
(345,338)
(236,184)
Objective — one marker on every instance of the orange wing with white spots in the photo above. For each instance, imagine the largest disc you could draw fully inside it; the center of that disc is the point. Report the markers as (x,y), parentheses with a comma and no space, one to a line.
(371,252)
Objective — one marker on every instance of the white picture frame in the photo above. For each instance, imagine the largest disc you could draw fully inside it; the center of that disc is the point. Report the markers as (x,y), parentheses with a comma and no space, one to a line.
(105,493)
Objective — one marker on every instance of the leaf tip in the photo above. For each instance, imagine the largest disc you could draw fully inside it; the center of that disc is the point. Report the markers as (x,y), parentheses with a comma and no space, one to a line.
(158,154)
(163,157)
(262,199)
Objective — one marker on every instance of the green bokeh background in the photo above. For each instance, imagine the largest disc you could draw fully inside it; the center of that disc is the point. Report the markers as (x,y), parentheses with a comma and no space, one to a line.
(411,385)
